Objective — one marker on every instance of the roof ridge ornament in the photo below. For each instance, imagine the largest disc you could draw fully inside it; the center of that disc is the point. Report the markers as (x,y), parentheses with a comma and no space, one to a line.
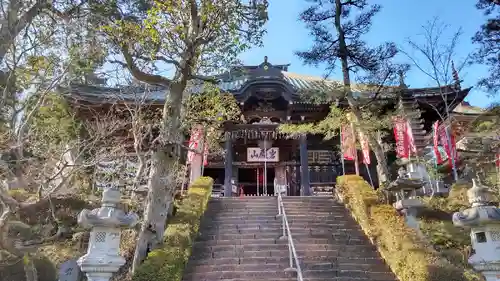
(456,78)
(265,65)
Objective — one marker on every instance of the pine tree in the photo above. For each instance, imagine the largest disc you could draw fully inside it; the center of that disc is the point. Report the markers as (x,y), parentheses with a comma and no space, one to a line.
(337,27)
(488,37)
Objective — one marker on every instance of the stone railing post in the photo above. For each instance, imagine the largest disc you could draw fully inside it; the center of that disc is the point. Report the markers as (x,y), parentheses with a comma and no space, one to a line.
(103,258)
(484,222)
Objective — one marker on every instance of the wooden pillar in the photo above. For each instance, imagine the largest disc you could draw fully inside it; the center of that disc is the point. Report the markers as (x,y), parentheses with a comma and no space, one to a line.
(296,191)
(304,168)
(228,165)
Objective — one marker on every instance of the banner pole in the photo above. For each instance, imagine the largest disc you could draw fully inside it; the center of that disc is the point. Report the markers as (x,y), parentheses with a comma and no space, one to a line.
(356,160)
(369,174)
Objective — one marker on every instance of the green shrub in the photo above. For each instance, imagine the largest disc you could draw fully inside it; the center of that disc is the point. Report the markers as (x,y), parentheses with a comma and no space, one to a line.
(410,258)
(168,263)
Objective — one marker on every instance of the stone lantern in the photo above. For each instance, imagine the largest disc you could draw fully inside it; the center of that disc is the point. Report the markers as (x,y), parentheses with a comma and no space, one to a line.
(102,258)
(484,222)
(405,191)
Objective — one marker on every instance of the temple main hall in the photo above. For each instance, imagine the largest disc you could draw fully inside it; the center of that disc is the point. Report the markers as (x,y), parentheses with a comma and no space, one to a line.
(258,157)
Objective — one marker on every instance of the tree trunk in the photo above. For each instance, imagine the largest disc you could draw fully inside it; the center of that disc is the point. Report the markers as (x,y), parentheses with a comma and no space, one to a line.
(383,172)
(162,176)
(16,22)
(160,196)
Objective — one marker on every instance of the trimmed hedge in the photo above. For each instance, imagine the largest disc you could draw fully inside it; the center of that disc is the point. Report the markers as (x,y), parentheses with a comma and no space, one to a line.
(410,258)
(168,262)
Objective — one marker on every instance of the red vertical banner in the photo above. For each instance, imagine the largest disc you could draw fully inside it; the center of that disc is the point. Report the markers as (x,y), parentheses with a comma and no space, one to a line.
(497,159)
(401,137)
(435,142)
(447,140)
(411,142)
(405,145)
(365,147)
(348,143)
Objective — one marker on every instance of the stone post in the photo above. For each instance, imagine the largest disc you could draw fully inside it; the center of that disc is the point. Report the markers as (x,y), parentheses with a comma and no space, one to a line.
(102,258)
(484,222)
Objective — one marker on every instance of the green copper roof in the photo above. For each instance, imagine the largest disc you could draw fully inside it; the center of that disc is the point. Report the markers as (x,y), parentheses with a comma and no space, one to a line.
(238,80)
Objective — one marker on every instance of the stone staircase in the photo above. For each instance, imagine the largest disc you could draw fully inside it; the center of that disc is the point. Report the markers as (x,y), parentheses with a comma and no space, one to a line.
(330,244)
(239,241)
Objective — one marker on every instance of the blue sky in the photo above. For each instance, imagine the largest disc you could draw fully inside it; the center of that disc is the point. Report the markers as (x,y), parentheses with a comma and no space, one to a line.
(398,21)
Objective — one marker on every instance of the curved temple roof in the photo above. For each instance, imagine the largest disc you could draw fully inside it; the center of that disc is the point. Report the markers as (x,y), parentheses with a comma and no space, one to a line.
(240,78)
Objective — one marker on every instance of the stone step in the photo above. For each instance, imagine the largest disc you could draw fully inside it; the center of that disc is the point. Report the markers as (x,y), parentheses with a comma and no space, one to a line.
(230,216)
(237,254)
(346,253)
(241,248)
(316,209)
(283,251)
(231,219)
(281,246)
(276,223)
(204,268)
(241,213)
(280,264)
(239,260)
(222,274)
(319,210)
(240,221)
(277,230)
(278,273)
(296,236)
(309,262)
(273,215)
(226,209)
(237,205)
(354,274)
(342,239)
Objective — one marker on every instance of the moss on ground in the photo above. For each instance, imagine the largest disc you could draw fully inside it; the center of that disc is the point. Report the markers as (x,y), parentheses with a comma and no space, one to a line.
(168,262)
(410,256)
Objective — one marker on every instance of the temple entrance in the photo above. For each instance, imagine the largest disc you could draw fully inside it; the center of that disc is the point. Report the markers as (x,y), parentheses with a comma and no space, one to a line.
(252,180)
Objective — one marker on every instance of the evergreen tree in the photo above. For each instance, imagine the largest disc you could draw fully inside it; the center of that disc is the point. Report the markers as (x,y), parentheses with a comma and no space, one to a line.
(488,37)
(337,28)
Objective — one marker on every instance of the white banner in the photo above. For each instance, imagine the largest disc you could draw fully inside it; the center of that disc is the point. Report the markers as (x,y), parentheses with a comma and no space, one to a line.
(256,154)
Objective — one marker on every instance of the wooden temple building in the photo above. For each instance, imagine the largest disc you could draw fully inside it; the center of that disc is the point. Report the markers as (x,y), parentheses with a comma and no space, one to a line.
(270,95)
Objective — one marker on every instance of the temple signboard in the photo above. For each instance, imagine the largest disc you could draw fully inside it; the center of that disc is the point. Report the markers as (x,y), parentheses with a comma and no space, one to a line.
(256,154)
